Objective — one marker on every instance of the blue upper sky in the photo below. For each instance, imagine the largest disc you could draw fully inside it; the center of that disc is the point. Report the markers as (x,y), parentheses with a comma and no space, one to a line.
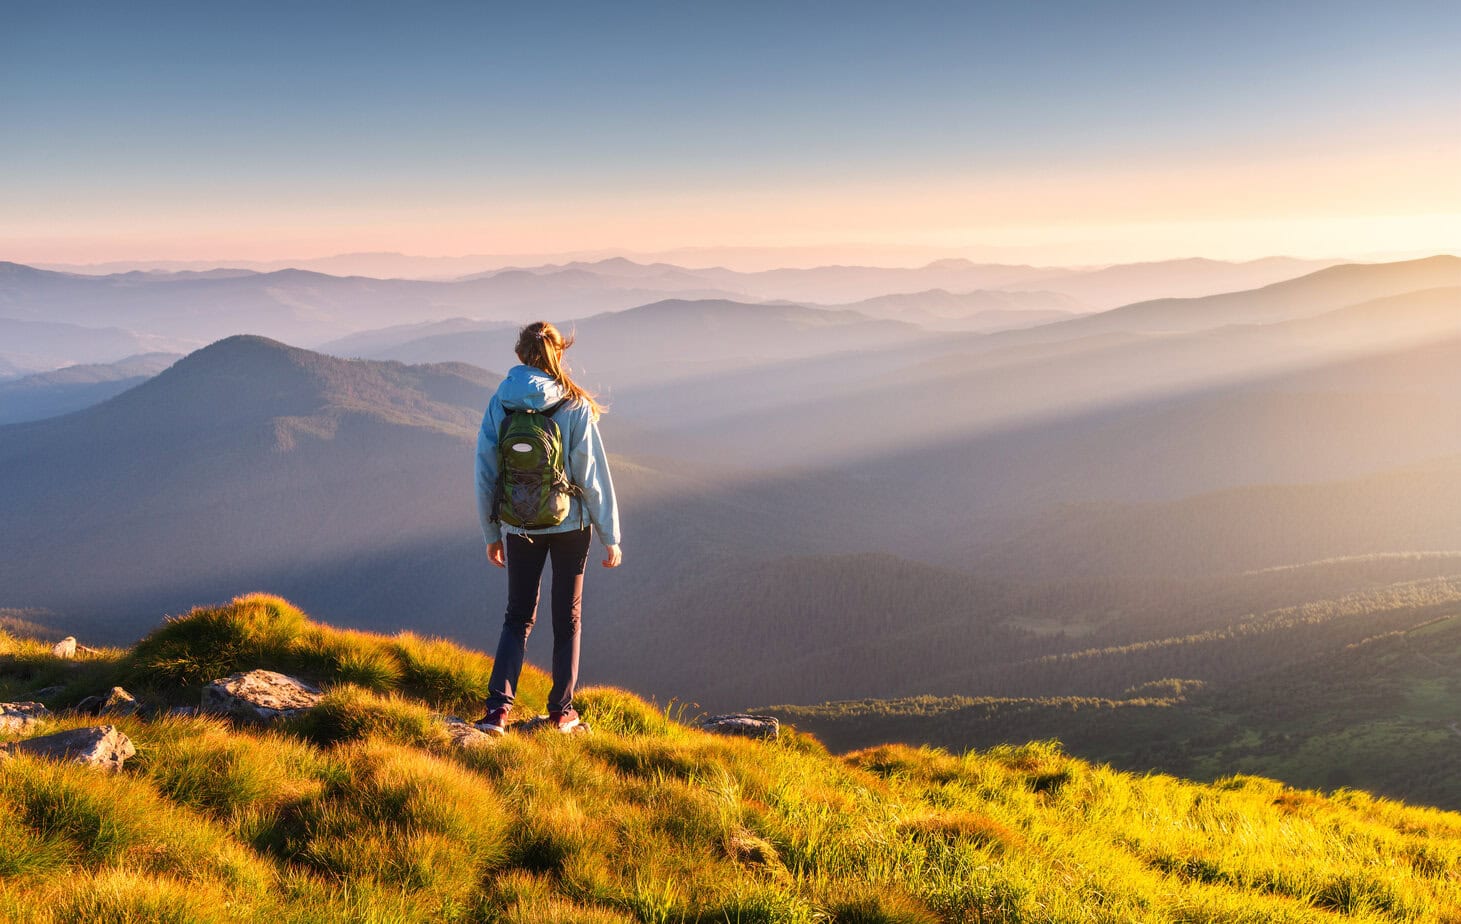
(347,115)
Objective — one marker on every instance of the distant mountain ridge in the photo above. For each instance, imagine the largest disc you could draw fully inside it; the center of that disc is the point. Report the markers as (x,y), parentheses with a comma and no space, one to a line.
(676,337)
(347,482)
(43,345)
(980,310)
(304,305)
(71,388)
(305,454)
(309,307)
(1332,288)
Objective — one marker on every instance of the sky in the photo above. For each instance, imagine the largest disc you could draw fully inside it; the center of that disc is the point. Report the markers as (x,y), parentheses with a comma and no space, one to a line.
(1049,132)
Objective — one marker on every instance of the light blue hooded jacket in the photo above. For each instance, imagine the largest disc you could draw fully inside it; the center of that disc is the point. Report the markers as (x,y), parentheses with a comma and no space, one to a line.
(530,388)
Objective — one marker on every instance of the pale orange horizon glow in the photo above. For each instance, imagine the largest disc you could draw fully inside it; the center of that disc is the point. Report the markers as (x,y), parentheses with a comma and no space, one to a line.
(1381,201)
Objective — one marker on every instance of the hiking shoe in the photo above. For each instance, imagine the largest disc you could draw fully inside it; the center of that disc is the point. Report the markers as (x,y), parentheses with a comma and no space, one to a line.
(494,722)
(565,721)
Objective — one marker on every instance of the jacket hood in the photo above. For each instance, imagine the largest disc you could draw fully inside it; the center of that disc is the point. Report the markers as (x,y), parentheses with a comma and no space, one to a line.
(530,389)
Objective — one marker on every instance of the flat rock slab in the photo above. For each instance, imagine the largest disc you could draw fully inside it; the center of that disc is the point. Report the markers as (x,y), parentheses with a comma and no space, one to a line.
(103,747)
(16,717)
(258,696)
(464,734)
(742,725)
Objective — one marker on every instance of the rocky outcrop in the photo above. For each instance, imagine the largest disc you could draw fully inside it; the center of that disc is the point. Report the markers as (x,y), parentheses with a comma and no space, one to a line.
(17,717)
(742,725)
(103,747)
(65,648)
(117,702)
(259,696)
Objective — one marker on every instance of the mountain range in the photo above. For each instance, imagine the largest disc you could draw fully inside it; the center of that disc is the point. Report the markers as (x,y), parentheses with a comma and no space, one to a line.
(309,307)
(28,347)
(819,504)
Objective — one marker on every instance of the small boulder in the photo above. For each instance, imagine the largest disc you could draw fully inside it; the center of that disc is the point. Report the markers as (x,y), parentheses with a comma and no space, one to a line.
(120,702)
(258,696)
(16,717)
(464,734)
(742,725)
(65,648)
(103,747)
(117,702)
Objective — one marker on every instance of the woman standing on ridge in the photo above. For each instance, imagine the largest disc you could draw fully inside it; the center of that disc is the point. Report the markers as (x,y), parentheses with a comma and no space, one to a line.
(542,482)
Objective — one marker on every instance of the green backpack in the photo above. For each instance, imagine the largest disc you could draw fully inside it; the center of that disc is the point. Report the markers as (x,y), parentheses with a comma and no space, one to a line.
(533,489)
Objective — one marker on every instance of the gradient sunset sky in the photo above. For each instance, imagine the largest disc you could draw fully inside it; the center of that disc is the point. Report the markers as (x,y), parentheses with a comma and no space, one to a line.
(1056,132)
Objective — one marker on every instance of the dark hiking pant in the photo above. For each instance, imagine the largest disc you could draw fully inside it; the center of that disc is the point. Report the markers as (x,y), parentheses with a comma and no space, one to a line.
(526,557)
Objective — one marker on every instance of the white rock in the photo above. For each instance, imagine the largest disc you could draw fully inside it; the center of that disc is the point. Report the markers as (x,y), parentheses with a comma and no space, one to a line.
(743,725)
(65,648)
(259,696)
(16,717)
(464,734)
(104,747)
(120,702)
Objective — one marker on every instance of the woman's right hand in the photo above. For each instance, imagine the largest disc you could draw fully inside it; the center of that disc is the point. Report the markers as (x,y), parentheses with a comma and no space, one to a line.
(494,554)
(616,555)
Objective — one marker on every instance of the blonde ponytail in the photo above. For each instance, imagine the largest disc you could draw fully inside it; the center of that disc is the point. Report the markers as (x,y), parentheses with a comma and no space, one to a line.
(541,345)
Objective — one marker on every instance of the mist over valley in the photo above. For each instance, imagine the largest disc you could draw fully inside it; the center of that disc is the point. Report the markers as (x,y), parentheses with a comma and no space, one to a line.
(825,500)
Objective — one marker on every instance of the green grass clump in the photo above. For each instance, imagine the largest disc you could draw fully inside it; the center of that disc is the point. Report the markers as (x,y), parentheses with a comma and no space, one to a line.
(349,712)
(265,631)
(363,810)
(60,818)
(400,817)
(126,897)
(213,642)
(232,774)
(621,712)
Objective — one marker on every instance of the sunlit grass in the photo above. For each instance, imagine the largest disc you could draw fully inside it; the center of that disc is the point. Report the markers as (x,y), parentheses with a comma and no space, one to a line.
(364,811)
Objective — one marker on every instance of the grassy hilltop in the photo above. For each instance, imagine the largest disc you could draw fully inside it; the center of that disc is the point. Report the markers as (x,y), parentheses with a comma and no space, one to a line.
(364,810)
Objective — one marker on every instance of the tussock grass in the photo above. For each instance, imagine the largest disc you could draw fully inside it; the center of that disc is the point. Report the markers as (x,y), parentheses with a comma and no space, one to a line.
(401,818)
(27,665)
(265,631)
(363,811)
(349,712)
(62,817)
(231,774)
(213,642)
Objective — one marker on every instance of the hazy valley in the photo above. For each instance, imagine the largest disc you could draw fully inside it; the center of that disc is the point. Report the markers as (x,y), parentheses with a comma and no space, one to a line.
(1191,503)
